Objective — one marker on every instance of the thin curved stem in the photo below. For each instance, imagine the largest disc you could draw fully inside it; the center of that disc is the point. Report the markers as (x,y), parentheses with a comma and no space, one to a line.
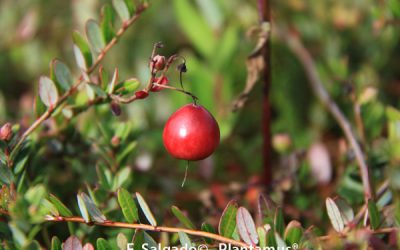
(74,88)
(151,228)
(317,86)
(195,98)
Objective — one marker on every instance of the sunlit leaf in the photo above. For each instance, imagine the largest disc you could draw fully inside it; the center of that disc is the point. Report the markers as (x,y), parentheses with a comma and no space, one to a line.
(122,241)
(227,222)
(82,208)
(80,60)
(92,209)
(113,81)
(62,209)
(262,236)
(48,91)
(128,206)
(127,86)
(95,36)
(146,210)
(345,210)
(246,227)
(185,240)
(334,215)
(88,246)
(182,218)
(83,46)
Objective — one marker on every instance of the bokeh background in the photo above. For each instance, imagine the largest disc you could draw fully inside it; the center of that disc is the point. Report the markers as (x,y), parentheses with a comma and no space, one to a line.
(356,48)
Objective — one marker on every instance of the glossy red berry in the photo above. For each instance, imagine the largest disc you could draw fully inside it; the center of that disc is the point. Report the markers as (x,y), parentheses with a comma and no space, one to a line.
(191,133)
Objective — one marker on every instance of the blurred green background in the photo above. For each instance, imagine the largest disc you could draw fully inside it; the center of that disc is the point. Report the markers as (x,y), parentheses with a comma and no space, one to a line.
(356,48)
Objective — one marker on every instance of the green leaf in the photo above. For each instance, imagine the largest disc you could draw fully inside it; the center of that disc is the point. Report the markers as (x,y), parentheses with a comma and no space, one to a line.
(95,36)
(107,20)
(202,36)
(246,227)
(293,233)
(121,177)
(131,6)
(82,208)
(102,244)
(186,243)
(103,77)
(55,243)
(62,75)
(146,210)
(150,241)
(182,218)
(104,176)
(114,80)
(122,241)
(83,46)
(374,216)
(6,175)
(279,222)
(262,236)
(61,208)
(80,59)
(334,215)
(48,91)
(92,209)
(97,90)
(345,210)
(128,206)
(205,227)
(121,9)
(127,86)
(127,150)
(72,243)
(138,240)
(271,240)
(227,222)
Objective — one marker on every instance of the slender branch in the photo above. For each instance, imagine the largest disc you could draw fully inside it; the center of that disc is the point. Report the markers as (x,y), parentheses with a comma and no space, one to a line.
(316,84)
(74,88)
(150,228)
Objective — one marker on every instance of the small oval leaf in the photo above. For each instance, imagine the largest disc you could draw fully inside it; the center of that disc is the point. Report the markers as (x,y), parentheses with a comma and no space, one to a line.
(55,243)
(82,208)
(227,222)
(128,206)
(146,210)
(72,243)
(92,209)
(102,244)
(61,208)
(186,243)
(48,91)
(95,36)
(122,241)
(246,227)
(182,218)
(79,58)
(83,46)
(334,215)
(62,74)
